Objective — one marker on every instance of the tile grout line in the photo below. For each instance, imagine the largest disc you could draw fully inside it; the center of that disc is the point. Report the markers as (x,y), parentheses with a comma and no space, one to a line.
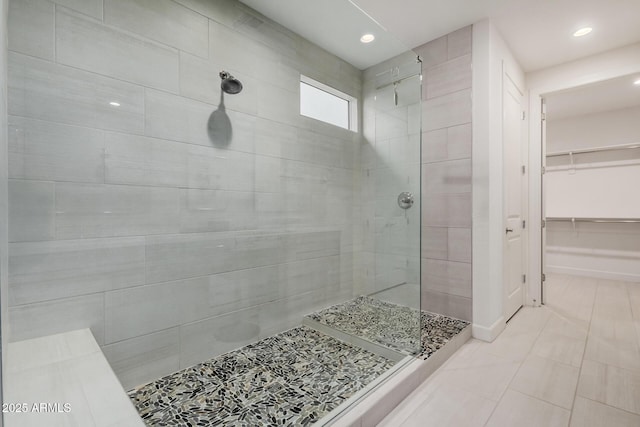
(612,407)
(633,317)
(518,370)
(575,393)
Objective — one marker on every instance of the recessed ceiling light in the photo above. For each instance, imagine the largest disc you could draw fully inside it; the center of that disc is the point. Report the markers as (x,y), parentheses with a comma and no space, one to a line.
(582,32)
(637,82)
(367,38)
(114,104)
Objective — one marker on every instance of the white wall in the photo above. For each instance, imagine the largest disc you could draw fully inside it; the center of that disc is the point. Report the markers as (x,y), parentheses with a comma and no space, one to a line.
(602,129)
(614,63)
(491,56)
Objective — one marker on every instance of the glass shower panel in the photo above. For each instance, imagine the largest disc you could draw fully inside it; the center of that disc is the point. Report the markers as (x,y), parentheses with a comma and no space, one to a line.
(392,183)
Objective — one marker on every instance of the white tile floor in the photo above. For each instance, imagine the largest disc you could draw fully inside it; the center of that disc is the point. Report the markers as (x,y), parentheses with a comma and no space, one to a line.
(573,362)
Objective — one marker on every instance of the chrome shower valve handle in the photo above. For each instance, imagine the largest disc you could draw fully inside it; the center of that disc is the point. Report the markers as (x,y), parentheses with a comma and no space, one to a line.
(405,200)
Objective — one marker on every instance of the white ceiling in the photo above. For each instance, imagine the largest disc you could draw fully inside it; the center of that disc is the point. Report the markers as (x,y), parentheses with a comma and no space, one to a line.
(609,95)
(539,32)
(336,26)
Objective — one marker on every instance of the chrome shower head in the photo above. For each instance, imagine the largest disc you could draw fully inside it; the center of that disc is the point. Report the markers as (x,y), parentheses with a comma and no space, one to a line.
(230,84)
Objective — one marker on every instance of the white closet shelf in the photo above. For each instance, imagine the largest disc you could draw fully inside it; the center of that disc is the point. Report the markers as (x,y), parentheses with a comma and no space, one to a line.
(603,220)
(595,150)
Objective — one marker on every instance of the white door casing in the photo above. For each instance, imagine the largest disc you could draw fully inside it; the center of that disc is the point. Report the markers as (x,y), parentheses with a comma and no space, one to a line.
(514,146)
(543,162)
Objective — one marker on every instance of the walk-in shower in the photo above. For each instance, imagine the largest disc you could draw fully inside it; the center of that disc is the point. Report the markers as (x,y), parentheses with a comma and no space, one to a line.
(237,262)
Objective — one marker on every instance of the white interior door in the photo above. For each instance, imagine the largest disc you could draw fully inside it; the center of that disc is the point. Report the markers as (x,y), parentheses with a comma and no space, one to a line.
(514,179)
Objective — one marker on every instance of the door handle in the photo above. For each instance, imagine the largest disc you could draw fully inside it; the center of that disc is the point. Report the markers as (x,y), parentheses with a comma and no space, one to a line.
(508,230)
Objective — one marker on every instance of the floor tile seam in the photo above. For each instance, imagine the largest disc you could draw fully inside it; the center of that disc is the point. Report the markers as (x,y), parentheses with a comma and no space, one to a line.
(493,411)
(635,321)
(636,414)
(464,389)
(620,368)
(609,404)
(542,400)
(635,314)
(631,345)
(427,397)
(565,364)
(584,352)
(517,371)
(561,334)
(557,360)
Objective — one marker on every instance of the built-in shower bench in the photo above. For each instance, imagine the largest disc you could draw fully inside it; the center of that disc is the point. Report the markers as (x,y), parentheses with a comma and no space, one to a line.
(67,377)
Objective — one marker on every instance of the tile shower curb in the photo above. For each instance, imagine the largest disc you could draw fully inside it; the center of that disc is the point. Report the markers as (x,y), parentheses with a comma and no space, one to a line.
(373,408)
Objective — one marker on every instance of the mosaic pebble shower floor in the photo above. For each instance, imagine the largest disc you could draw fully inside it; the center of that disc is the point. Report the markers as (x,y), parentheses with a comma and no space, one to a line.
(290,379)
(391,325)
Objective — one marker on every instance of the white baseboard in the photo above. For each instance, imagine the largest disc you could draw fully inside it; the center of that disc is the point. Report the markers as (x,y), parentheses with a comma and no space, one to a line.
(490,333)
(611,275)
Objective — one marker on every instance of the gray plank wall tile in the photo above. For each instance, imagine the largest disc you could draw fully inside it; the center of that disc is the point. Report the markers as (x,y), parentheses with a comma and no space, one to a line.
(215,169)
(197,78)
(90,210)
(88,7)
(141,310)
(459,244)
(56,316)
(176,118)
(435,242)
(173,257)
(84,43)
(54,152)
(446,178)
(222,11)
(31,31)
(433,52)
(46,91)
(48,270)
(220,334)
(447,111)
(216,210)
(447,144)
(161,20)
(138,160)
(145,358)
(31,210)
(180,211)
(445,303)
(459,42)
(452,76)
(448,277)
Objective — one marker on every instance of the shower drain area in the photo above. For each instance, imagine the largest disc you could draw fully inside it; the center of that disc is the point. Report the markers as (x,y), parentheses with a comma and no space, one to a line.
(376,324)
(293,378)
